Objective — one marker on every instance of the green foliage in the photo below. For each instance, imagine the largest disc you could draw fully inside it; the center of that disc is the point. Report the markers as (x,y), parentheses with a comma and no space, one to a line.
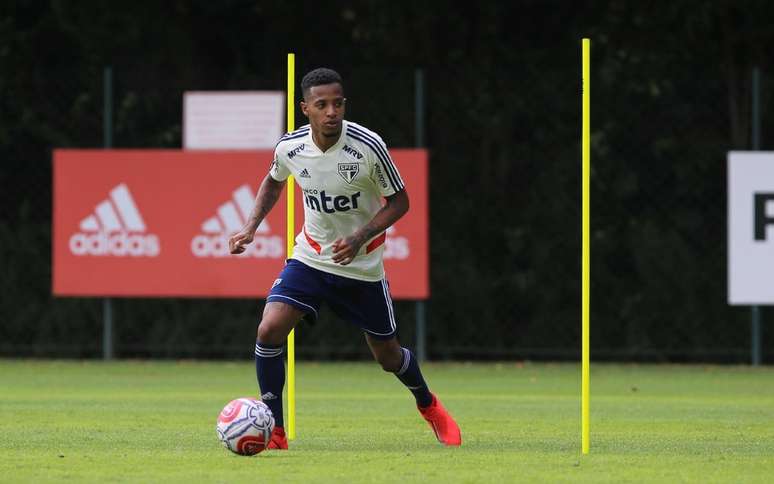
(670,95)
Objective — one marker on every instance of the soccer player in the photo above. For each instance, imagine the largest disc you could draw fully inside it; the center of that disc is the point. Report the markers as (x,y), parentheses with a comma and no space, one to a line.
(344,171)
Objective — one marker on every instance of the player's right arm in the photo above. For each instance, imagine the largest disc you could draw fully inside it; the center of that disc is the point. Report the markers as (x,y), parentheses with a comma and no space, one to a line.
(268,194)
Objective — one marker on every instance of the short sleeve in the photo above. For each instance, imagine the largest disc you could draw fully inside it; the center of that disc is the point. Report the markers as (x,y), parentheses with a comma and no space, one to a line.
(384,173)
(278,170)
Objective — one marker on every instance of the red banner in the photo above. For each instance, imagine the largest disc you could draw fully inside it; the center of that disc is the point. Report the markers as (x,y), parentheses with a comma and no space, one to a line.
(157,223)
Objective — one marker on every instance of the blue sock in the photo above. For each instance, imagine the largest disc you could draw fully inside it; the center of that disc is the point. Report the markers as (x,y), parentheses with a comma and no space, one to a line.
(410,376)
(270,368)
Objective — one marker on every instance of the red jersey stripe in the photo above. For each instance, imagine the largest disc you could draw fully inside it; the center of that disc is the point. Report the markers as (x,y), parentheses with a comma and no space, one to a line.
(312,242)
(376,243)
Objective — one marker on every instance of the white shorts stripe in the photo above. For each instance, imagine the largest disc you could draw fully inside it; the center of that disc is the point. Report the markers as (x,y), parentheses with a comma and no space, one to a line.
(378,334)
(388,301)
(294,300)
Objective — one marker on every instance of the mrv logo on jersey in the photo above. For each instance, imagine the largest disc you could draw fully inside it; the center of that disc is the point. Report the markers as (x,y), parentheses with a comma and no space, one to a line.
(353,152)
(230,218)
(116,228)
(298,149)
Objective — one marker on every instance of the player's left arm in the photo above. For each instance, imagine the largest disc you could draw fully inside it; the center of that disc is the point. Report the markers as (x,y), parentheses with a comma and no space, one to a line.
(345,250)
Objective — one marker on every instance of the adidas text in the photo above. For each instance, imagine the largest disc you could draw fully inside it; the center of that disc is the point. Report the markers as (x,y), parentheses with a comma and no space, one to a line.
(117,244)
(217,246)
(396,248)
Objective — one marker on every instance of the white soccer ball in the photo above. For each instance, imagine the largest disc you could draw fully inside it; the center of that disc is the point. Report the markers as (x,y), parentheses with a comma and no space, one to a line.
(245,425)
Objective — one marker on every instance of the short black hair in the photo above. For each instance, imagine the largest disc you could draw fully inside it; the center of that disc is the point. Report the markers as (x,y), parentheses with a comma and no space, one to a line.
(320,77)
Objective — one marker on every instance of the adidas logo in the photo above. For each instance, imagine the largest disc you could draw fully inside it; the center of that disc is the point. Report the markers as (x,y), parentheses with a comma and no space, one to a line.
(230,218)
(115,228)
(304,174)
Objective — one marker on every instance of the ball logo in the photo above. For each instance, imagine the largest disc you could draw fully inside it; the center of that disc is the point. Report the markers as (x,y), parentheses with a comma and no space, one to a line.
(251,444)
(230,411)
(116,228)
(230,218)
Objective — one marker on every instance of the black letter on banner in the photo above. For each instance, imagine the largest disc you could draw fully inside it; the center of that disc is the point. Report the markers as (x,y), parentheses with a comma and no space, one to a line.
(761,219)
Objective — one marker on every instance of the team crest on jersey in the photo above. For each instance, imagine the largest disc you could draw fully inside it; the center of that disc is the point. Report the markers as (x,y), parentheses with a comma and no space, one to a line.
(348,171)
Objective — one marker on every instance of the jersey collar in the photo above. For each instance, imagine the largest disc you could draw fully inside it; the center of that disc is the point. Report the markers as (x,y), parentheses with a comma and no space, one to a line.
(339,143)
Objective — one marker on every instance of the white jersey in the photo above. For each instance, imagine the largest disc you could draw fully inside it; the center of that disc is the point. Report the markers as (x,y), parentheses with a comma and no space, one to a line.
(343,189)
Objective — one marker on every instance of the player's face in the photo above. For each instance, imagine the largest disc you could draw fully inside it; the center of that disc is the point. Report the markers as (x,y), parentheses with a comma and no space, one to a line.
(324,106)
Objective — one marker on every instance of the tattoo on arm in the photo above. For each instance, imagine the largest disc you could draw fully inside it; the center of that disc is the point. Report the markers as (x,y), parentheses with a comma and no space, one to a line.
(368,231)
(393,210)
(267,196)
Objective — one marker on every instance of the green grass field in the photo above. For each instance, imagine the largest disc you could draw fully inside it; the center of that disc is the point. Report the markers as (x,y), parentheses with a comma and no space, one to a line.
(155,422)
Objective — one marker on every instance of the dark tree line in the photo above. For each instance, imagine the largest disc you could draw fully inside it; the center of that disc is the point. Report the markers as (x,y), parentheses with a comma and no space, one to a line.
(670,96)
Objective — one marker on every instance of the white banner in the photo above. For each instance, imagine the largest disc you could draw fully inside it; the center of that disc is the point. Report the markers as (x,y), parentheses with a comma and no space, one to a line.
(751,228)
(246,120)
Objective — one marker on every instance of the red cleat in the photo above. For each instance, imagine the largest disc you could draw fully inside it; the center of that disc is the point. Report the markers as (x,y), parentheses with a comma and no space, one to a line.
(444,426)
(278,439)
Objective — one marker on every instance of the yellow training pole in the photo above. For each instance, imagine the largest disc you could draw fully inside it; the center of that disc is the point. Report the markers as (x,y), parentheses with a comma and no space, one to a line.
(585,245)
(291,229)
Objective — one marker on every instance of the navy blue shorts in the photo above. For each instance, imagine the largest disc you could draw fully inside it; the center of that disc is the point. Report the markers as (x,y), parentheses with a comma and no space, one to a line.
(366,304)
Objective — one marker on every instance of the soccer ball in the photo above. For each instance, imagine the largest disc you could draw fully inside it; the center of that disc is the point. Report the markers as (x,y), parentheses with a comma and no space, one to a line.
(245,425)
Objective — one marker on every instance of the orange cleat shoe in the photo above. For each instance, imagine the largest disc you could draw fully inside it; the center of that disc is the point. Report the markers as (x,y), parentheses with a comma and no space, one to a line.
(444,426)
(278,439)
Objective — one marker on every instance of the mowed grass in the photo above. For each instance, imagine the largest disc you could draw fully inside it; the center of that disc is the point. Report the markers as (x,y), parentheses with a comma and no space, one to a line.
(140,421)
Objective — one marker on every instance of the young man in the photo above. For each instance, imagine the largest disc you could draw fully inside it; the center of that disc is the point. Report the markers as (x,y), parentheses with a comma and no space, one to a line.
(344,171)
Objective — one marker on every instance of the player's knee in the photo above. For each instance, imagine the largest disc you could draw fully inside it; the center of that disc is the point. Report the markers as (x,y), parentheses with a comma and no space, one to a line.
(390,362)
(277,322)
(271,332)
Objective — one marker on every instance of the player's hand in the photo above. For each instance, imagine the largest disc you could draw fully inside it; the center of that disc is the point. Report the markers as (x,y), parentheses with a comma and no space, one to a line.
(238,242)
(345,250)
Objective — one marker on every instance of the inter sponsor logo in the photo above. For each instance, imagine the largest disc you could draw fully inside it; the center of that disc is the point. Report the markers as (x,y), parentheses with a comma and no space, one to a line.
(230,218)
(116,228)
(323,202)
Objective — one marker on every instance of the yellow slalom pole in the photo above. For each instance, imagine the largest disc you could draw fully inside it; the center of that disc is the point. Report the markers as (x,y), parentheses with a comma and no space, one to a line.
(585,245)
(291,233)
